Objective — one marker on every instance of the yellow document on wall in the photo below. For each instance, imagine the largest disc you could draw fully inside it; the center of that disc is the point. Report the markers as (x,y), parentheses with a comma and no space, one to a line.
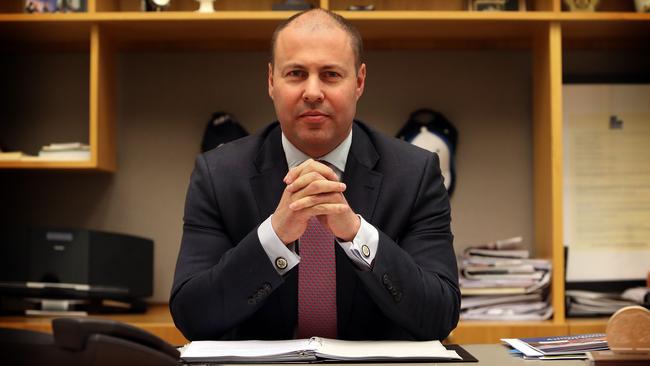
(607,181)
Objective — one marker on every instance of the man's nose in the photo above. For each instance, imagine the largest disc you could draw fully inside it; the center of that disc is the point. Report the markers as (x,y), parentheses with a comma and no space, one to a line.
(313,92)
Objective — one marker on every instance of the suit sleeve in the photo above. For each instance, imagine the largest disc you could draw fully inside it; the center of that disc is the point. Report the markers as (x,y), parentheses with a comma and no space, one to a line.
(217,283)
(414,279)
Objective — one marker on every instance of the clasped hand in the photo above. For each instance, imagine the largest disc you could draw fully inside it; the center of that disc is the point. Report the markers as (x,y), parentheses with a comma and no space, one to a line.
(313,189)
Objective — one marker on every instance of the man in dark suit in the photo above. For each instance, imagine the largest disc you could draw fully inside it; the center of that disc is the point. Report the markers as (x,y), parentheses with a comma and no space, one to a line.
(376,205)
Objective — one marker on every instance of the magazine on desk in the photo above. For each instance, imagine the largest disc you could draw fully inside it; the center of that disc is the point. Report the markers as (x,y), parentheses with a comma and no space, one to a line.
(314,349)
(559,347)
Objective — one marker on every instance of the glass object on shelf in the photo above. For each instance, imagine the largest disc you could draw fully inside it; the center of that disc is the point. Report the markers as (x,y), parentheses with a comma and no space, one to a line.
(582,5)
(206,6)
(642,6)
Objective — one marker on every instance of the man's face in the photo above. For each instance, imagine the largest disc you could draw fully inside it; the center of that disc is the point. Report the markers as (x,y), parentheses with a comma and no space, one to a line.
(314,85)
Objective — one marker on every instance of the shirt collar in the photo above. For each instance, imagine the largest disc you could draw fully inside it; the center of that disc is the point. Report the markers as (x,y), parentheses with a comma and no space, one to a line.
(337,157)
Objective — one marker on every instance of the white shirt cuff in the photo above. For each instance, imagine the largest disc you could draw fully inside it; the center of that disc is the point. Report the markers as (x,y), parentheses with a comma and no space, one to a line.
(281,257)
(363,248)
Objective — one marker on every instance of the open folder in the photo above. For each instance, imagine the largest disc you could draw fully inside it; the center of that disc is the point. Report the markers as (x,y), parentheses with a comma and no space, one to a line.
(313,349)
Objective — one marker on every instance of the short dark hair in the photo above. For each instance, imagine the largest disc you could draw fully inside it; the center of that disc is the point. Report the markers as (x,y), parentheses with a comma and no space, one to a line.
(351,30)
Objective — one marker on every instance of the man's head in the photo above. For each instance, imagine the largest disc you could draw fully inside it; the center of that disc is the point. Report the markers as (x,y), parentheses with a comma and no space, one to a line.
(315,79)
(355,36)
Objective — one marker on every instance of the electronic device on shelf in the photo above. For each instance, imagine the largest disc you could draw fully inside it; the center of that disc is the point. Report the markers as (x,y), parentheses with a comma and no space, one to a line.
(58,271)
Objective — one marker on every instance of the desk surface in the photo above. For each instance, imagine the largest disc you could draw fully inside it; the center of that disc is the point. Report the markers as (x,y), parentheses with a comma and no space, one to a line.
(497,355)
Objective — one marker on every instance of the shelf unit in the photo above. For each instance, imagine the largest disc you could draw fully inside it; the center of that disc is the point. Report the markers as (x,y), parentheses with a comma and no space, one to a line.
(545,29)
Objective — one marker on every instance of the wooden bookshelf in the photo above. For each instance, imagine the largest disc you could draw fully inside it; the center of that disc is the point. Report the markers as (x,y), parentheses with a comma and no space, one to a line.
(545,29)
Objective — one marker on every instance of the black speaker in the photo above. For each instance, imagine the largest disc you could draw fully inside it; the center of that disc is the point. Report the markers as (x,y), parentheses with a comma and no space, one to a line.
(75,264)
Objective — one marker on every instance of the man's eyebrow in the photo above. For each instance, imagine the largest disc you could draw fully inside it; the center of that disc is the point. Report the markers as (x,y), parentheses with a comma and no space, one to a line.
(293,65)
(299,66)
(332,66)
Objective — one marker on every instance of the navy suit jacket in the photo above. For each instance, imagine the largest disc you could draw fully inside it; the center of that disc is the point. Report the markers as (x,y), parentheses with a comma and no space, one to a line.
(225,286)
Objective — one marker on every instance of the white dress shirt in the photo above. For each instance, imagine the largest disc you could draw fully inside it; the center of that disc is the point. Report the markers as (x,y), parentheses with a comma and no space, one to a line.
(361,250)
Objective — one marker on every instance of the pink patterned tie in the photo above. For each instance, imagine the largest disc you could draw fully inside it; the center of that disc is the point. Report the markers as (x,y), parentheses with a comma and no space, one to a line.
(317,282)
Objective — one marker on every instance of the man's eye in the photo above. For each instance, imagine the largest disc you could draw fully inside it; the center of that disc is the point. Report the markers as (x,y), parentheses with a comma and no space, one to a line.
(295,73)
(331,75)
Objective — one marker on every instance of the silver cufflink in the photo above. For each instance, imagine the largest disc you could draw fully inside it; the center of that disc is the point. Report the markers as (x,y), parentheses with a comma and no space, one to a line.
(365,250)
(281,263)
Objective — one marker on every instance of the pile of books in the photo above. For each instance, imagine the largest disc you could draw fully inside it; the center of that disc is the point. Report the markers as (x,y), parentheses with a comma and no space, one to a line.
(498,281)
(591,303)
(65,151)
(557,347)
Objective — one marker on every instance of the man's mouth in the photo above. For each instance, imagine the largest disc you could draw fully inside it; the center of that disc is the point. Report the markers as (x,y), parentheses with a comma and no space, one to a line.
(313,116)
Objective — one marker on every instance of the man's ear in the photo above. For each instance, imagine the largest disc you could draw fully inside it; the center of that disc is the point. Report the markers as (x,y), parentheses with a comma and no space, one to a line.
(361,80)
(270,80)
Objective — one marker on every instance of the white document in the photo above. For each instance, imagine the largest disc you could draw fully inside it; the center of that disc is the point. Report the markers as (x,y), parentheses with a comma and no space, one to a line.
(607,181)
(304,350)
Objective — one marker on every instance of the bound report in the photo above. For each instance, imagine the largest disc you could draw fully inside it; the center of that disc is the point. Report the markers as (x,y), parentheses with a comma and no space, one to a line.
(313,349)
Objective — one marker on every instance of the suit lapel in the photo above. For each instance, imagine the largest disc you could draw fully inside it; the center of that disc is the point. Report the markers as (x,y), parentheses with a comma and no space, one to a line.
(271,163)
(363,190)
(362,181)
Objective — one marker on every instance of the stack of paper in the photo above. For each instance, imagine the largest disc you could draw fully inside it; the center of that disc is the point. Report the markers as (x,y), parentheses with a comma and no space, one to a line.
(315,348)
(65,151)
(560,347)
(590,303)
(11,155)
(498,281)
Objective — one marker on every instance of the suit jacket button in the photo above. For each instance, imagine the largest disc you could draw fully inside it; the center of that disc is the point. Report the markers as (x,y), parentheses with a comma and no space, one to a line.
(365,250)
(251,301)
(386,279)
(281,263)
(267,287)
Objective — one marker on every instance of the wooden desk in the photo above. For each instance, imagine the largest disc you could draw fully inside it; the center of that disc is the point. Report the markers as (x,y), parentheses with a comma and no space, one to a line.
(156,320)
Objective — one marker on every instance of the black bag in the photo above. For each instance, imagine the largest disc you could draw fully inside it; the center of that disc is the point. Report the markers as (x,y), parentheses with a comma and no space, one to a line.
(222,128)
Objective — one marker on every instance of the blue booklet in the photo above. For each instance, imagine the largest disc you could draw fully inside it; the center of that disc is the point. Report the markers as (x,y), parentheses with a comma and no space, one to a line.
(558,345)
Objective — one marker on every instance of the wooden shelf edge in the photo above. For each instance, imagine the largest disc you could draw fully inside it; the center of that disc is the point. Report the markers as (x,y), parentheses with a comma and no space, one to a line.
(54,165)
(384,15)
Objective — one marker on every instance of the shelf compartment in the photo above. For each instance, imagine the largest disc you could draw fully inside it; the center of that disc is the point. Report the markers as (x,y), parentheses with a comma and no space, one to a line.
(80,107)
(44,99)
(607,30)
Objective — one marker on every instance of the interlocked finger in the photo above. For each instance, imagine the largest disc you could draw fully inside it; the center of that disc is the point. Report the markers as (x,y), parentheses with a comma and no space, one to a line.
(309,166)
(317,187)
(317,199)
